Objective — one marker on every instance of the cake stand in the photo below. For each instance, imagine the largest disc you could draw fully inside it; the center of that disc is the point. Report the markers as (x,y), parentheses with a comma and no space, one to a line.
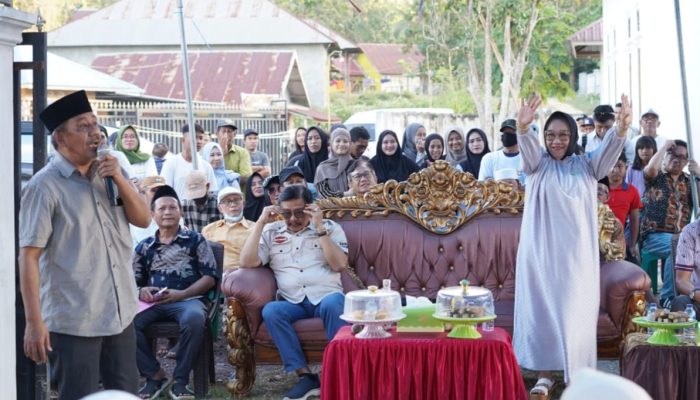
(373,329)
(464,328)
(663,331)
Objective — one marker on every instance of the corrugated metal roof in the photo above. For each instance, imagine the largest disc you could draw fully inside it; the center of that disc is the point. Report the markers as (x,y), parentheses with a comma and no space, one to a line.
(588,42)
(355,69)
(154,22)
(215,76)
(390,59)
(591,34)
(64,74)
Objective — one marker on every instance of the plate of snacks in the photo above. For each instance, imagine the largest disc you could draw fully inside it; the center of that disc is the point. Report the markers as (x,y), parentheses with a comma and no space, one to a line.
(664,323)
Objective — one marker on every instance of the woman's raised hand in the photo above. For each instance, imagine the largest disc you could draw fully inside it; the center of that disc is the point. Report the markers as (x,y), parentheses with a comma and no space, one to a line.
(623,119)
(526,114)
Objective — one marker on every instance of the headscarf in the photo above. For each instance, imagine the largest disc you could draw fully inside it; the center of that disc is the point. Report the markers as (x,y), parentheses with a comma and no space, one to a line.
(254,205)
(134,156)
(573,128)
(336,165)
(397,166)
(223,178)
(310,161)
(428,157)
(473,162)
(409,140)
(454,157)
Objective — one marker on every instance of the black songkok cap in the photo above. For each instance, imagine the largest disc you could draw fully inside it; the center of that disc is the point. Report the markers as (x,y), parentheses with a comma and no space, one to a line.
(164,191)
(64,109)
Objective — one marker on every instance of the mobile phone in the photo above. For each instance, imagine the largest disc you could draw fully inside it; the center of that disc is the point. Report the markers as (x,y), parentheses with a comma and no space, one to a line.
(159,293)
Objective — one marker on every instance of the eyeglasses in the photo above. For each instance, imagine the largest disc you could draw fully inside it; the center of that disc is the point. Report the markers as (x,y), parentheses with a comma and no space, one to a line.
(229,203)
(287,214)
(550,135)
(359,175)
(273,189)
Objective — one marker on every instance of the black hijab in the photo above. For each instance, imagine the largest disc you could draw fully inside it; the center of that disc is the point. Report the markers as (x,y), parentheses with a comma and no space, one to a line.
(428,157)
(254,205)
(310,161)
(396,166)
(573,128)
(473,162)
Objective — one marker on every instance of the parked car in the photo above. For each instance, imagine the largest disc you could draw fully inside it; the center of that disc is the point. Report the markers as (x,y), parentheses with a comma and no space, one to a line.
(396,119)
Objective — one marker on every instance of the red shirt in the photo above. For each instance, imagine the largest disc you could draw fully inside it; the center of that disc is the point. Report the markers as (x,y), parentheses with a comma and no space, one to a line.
(624,199)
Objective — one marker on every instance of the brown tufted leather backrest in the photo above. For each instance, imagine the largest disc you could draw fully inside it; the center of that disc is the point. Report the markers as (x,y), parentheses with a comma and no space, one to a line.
(419,262)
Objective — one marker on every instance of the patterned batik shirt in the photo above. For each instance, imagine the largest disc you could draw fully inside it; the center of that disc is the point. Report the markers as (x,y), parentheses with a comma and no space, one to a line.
(197,217)
(667,204)
(176,265)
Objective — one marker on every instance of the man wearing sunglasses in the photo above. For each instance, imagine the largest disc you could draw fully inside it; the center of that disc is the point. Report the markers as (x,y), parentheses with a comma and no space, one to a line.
(306,254)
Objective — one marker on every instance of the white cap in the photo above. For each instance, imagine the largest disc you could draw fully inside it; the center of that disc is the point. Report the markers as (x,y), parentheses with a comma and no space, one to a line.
(505,173)
(227,191)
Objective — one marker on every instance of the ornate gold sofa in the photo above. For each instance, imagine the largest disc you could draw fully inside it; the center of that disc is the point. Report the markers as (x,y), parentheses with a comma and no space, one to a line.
(429,232)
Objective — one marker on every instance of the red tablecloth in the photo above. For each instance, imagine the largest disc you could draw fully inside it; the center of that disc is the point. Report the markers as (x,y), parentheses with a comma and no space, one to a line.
(421,366)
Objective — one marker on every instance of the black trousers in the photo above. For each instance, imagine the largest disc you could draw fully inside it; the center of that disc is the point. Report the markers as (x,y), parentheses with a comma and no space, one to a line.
(80,363)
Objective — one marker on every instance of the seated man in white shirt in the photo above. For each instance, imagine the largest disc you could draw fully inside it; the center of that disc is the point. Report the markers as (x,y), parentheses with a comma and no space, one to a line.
(306,254)
(508,157)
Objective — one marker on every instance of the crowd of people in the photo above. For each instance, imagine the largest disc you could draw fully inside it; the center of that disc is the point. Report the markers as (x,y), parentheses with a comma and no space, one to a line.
(149,249)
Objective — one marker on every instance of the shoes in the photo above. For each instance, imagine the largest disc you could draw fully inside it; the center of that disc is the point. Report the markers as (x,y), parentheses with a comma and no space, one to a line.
(180,391)
(542,390)
(308,385)
(153,388)
(666,303)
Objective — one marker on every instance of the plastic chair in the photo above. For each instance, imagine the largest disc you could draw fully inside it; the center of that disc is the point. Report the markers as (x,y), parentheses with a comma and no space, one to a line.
(203,366)
(649,264)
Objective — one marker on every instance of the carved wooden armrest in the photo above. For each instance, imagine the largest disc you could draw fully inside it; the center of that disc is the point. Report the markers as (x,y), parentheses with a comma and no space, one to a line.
(241,351)
(635,307)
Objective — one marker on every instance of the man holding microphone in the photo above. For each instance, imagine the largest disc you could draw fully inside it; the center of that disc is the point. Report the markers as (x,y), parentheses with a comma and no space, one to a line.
(75,258)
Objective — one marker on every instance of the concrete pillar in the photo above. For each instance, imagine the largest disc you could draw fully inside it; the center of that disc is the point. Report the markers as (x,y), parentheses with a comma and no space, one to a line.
(12,23)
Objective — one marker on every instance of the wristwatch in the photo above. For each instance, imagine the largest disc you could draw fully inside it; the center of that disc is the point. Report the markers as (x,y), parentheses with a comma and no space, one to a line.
(321,233)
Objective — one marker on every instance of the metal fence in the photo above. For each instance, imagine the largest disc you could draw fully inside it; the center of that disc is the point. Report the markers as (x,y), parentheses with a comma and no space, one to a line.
(163,122)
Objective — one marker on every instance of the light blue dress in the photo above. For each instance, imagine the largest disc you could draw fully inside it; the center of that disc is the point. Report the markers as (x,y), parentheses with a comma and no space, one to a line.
(557,279)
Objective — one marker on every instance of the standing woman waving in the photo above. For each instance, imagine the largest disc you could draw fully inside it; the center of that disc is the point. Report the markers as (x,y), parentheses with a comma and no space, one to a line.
(557,282)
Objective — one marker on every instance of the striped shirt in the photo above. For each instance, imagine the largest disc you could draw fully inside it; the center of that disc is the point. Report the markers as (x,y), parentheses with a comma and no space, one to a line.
(688,252)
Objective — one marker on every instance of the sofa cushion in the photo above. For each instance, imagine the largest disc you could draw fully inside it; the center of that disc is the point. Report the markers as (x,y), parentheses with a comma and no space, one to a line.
(419,263)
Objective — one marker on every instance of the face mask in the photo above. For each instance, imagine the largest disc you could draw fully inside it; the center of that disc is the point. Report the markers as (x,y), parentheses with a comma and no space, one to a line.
(232,219)
(509,139)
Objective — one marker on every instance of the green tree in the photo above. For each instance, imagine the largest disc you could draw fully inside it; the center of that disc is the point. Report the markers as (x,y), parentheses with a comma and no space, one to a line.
(57,13)
(376,21)
(499,50)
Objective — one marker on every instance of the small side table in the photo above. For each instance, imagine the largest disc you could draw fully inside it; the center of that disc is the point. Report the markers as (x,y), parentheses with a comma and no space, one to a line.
(421,366)
(665,372)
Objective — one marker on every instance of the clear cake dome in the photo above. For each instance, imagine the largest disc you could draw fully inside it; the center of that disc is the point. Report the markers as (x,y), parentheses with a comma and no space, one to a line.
(464,301)
(373,304)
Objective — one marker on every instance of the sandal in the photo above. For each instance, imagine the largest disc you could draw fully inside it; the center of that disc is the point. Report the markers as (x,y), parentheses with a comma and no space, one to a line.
(180,391)
(542,390)
(153,388)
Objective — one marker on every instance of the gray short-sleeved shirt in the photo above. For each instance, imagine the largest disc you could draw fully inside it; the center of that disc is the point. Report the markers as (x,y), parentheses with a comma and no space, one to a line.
(259,159)
(297,259)
(87,282)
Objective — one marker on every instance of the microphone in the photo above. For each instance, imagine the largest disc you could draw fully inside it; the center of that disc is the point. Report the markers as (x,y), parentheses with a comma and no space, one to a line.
(103,151)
